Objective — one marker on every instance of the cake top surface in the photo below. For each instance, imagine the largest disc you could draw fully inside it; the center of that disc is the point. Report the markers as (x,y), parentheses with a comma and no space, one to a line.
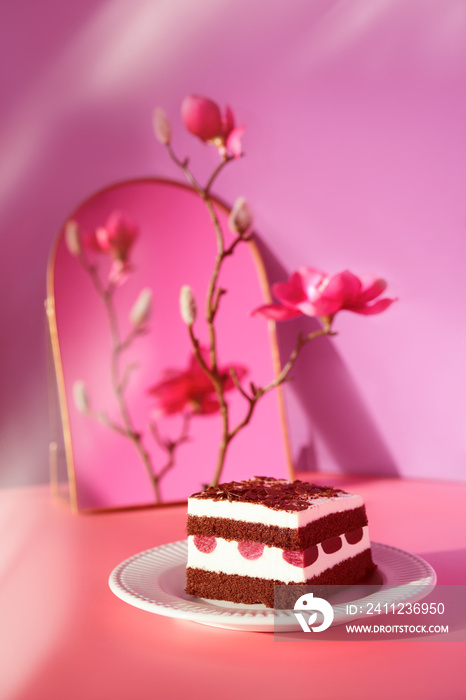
(277,494)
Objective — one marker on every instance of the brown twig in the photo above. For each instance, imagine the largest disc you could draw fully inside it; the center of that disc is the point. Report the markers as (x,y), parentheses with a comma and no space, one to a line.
(119,383)
(214,294)
(170,446)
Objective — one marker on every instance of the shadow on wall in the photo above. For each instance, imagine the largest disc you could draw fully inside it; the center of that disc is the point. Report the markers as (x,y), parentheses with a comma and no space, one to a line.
(329,398)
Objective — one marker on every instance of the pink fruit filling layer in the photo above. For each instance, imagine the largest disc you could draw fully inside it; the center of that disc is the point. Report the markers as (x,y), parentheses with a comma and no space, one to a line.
(250,550)
(307,557)
(355,536)
(333,544)
(205,543)
(300,558)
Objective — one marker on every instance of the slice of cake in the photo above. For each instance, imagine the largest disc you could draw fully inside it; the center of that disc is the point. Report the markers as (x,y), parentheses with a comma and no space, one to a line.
(245,537)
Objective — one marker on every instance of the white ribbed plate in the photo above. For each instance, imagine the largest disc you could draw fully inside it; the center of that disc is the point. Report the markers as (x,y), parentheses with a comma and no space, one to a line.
(154,580)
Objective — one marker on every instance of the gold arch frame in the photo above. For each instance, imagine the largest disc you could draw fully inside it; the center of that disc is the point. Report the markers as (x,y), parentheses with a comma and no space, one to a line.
(72,497)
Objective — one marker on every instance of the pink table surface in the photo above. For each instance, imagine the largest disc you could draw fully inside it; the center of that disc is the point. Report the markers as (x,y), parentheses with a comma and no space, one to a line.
(65,636)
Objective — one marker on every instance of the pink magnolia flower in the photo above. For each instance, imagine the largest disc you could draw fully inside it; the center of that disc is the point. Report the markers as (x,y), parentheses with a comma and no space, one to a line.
(117,236)
(190,390)
(203,118)
(314,293)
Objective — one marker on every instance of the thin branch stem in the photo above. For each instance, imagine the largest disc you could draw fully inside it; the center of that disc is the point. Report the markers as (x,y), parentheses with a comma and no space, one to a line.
(129,369)
(216,173)
(213,296)
(105,420)
(133,435)
(170,446)
(119,384)
(283,375)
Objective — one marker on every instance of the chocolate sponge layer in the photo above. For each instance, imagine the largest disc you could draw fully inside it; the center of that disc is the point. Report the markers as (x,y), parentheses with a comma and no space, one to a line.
(274,536)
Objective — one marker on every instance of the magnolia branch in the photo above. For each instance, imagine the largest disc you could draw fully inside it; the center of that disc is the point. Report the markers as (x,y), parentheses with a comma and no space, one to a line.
(213,297)
(120,380)
(170,446)
(214,294)
(258,392)
(204,119)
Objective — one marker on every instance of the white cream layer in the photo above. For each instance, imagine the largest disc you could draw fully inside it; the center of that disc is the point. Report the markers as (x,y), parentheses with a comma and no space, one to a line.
(258,513)
(270,565)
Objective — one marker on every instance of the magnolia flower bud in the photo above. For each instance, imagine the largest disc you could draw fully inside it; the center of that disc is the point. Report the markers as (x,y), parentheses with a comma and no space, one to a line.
(117,236)
(162,126)
(188,306)
(142,308)
(81,400)
(72,238)
(240,218)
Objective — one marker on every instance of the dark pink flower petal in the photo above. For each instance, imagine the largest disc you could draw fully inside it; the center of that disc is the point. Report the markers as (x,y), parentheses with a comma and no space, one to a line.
(119,272)
(276,312)
(117,236)
(302,292)
(320,307)
(122,234)
(204,405)
(101,237)
(199,381)
(233,141)
(292,292)
(170,395)
(342,287)
(376,308)
(371,290)
(191,390)
(228,121)
(312,279)
(90,241)
(202,117)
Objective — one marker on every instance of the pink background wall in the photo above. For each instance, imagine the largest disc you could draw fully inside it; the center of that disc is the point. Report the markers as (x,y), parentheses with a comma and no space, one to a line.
(356,157)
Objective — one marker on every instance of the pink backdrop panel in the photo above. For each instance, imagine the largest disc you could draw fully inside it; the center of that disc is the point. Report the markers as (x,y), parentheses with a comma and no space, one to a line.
(176,246)
(355,158)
